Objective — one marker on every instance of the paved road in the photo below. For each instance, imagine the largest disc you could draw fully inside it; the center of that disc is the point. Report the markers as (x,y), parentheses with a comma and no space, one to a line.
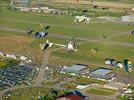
(40,77)
(99,41)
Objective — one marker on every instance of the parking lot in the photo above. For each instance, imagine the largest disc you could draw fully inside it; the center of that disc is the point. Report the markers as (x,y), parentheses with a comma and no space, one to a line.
(14,75)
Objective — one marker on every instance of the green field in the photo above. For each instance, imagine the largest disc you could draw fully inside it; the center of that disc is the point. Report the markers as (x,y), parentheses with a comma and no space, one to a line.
(116,45)
(2,63)
(117,33)
(105,92)
(34,93)
(27,93)
(8,62)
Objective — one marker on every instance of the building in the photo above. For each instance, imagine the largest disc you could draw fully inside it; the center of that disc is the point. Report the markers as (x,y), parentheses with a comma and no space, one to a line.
(12,56)
(103,73)
(74,95)
(115,85)
(71,97)
(25,9)
(127,18)
(2,54)
(74,69)
(23,58)
(82,19)
(82,86)
(34,9)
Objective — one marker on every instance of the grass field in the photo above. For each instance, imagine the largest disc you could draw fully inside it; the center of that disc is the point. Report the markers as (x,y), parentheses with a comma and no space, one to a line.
(2,63)
(101,91)
(27,93)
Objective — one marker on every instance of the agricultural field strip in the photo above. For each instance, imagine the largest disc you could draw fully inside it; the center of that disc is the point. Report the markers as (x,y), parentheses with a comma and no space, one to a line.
(82,39)
(106,3)
(113,34)
(21,21)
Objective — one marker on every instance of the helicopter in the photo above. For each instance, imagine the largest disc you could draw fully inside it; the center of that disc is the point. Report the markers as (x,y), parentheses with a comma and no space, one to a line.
(70,47)
(38,34)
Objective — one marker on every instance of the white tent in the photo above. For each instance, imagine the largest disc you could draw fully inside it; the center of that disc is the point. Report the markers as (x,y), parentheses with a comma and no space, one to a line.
(11,56)
(82,19)
(108,62)
(23,58)
(81,86)
(120,65)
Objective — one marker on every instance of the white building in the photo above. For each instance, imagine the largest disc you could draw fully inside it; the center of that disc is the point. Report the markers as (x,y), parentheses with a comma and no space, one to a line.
(75,69)
(82,86)
(25,9)
(33,9)
(1,54)
(23,58)
(82,19)
(107,62)
(11,56)
(127,18)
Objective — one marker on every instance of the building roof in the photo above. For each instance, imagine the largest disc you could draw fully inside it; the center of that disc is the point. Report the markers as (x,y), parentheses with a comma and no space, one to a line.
(81,86)
(74,95)
(127,18)
(75,68)
(101,71)
(71,97)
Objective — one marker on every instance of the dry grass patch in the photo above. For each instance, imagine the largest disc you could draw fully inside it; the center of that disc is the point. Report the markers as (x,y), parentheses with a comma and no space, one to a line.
(20,45)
